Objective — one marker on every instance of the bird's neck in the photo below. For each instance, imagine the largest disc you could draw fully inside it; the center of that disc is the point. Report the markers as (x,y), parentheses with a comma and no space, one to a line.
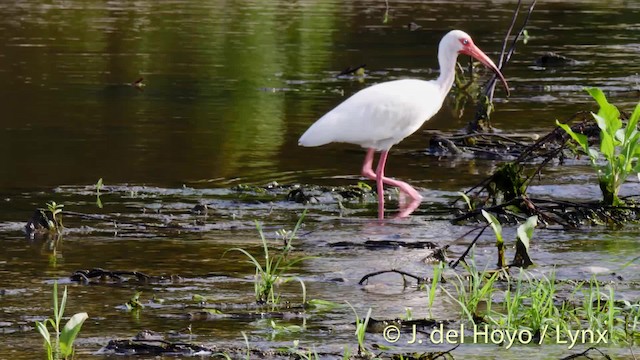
(447,61)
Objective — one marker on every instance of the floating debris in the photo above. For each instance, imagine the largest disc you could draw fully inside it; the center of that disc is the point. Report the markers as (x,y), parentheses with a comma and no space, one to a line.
(98,275)
(413,26)
(139,84)
(554,59)
(355,71)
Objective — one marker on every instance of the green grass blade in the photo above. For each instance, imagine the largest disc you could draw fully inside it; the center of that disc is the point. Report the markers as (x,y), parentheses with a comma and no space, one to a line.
(42,329)
(63,305)
(251,258)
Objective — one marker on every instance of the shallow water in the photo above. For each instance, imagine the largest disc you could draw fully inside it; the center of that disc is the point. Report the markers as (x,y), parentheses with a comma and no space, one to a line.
(229,89)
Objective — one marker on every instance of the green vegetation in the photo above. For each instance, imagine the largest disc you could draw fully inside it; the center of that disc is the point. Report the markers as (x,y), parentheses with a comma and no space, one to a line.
(361,331)
(61,346)
(134,303)
(55,220)
(300,353)
(523,239)
(528,304)
(473,290)
(508,182)
(99,186)
(497,230)
(437,277)
(533,305)
(524,235)
(272,272)
(619,146)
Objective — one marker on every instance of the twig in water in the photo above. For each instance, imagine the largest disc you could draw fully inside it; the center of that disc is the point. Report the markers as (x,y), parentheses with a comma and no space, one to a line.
(584,353)
(403,273)
(466,252)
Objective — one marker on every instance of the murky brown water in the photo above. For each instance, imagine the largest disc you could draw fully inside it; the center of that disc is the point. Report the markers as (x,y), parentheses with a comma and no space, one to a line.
(230,86)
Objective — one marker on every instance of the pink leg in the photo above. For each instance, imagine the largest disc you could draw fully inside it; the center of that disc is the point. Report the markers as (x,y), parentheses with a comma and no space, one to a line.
(380,179)
(367,166)
(379,183)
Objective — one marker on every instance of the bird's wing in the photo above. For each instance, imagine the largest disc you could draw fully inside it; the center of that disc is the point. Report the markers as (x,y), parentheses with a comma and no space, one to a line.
(378,116)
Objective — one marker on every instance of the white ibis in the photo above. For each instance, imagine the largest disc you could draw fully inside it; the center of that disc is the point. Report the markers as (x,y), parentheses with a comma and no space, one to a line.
(383,114)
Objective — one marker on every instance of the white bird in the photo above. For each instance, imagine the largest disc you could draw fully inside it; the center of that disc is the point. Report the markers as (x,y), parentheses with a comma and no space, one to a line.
(383,114)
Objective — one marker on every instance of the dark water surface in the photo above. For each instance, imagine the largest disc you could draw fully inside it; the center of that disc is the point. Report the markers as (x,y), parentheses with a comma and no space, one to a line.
(230,86)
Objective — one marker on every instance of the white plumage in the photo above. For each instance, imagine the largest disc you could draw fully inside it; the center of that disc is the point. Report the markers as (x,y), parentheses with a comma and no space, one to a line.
(378,117)
(382,115)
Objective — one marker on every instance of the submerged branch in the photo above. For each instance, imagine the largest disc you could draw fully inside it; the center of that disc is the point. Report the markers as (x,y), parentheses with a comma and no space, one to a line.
(420,280)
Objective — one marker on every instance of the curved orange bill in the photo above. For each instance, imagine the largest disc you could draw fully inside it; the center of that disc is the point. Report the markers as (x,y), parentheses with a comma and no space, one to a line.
(474,51)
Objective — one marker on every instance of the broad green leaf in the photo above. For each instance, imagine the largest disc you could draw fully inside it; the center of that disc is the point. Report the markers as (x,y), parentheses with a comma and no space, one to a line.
(579,138)
(633,122)
(631,138)
(70,332)
(635,117)
(525,231)
(607,111)
(623,163)
(602,123)
(607,148)
(614,125)
(495,225)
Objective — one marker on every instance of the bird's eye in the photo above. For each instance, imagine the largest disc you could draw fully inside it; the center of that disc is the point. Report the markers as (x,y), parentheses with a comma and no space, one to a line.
(465,41)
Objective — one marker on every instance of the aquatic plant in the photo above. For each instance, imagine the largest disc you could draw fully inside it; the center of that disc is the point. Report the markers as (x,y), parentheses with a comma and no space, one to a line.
(134,303)
(497,230)
(540,308)
(300,353)
(55,222)
(272,272)
(528,304)
(246,341)
(619,146)
(321,305)
(437,277)
(532,304)
(473,289)
(99,186)
(508,182)
(280,329)
(61,346)
(361,330)
(524,235)
(600,311)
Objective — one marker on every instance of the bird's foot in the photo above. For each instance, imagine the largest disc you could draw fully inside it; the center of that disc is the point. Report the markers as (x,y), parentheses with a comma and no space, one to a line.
(405,197)
(408,208)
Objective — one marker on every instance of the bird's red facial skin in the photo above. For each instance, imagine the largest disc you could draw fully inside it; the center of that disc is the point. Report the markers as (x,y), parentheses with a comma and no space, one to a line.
(469,48)
(466,43)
